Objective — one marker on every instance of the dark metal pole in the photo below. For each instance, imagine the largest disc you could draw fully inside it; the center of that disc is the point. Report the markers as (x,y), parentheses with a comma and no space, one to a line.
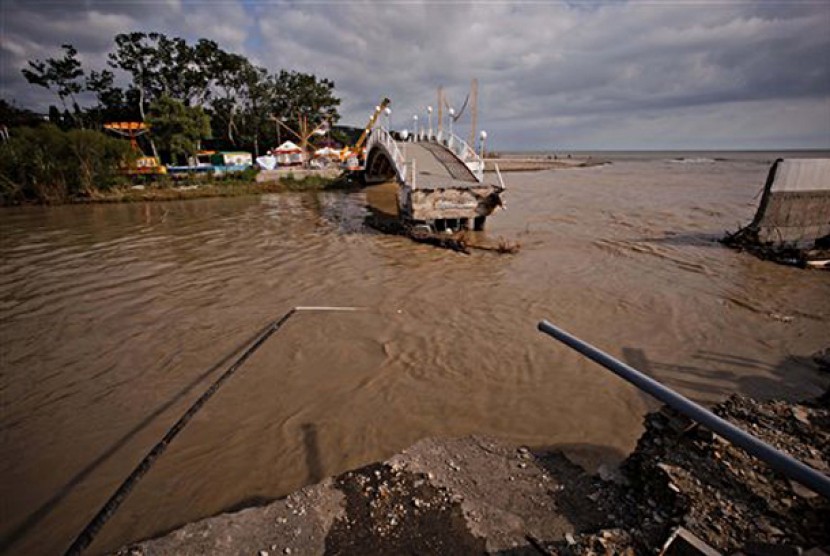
(786,464)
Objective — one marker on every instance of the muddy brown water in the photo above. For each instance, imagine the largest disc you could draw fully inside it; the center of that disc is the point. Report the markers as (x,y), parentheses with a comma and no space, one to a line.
(115,318)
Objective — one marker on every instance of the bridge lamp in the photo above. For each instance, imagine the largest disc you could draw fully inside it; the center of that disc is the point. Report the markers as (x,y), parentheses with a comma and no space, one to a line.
(388,112)
(415,126)
(429,115)
(483,137)
(452,118)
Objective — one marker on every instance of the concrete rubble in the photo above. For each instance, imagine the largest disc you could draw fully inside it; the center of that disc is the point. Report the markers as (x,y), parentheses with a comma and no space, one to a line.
(682,491)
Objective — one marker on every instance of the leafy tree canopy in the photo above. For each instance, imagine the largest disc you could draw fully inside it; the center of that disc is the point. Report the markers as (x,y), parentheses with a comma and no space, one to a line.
(242,99)
(178,128)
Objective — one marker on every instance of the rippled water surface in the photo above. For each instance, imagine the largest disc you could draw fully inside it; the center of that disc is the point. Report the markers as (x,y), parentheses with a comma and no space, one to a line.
(115,318)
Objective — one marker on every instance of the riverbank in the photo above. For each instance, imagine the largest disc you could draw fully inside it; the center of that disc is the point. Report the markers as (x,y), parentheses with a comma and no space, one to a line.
(200,188)
(682,485)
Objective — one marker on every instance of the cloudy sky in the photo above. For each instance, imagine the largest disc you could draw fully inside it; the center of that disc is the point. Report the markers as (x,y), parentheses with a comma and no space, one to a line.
(685,74)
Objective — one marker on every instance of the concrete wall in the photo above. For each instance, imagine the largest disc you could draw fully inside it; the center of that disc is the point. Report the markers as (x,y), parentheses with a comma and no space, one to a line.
(795,207)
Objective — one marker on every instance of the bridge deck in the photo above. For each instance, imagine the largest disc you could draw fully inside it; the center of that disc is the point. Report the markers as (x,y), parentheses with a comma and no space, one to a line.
(437,168)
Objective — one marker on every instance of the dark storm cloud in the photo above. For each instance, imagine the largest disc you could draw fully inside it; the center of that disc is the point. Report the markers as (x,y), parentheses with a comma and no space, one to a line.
(614,74)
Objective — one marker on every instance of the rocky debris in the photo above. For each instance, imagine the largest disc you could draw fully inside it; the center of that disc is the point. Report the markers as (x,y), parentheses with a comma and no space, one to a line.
(296,524)
(682,476)
(682,487)
(504,494)
(391,511)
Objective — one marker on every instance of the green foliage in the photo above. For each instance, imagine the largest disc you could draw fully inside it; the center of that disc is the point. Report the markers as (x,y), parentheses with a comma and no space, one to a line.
(62,74)
(45,164)
(178,128)
(180,89)
(98,158)
(298,94)
(242,98)
(164,66)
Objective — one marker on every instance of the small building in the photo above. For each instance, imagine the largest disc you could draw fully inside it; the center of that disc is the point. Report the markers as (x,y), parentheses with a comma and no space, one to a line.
(232,161)
(289,154)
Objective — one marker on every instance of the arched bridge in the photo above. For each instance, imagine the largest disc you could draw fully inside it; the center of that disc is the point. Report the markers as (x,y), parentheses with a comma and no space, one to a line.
(441,180)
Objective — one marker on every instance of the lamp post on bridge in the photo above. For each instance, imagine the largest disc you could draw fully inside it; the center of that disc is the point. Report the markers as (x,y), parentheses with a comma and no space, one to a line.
(451,118)
(429,115)
(483,137)
(388,112)
(415,127)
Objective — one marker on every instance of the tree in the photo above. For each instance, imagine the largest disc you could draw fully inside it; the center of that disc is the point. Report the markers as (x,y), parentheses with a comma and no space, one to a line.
(65,74)
(300,95)
(160,65)
(243,93)
(112,104)
(179,129)
(242,98)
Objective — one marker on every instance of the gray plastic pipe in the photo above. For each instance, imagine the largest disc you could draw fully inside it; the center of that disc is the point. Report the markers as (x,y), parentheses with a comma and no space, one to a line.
(778,460)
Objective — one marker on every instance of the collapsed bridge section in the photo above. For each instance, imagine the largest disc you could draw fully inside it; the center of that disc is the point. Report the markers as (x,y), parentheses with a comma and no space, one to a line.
(792,223)
(441,182)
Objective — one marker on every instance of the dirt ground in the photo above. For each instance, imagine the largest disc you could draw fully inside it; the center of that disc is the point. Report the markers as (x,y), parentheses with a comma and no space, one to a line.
(479,495)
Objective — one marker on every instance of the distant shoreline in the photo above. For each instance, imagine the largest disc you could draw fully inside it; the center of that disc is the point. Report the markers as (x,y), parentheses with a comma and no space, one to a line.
(538,163)
(715,155)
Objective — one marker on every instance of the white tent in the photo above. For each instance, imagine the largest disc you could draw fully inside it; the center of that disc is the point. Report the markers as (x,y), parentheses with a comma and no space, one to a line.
(267,162)
(287,147)
(289,154)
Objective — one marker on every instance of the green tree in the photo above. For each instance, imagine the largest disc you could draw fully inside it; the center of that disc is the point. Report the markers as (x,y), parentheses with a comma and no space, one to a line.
(112,104)
(297,94)
(243,94)
(64,74)
(163,66)
(242,98)
(179,129)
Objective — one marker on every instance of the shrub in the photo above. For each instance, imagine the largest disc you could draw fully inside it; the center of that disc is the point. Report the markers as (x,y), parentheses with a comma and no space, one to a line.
(45,164)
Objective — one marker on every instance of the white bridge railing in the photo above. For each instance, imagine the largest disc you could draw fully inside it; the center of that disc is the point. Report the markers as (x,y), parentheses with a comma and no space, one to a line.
(467,155)
(462,150)
(380,135)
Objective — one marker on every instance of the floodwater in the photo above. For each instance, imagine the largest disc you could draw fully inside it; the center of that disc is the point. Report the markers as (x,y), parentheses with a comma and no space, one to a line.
(115,318)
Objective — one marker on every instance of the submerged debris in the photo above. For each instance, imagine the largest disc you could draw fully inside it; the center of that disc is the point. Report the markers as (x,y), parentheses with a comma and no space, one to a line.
(792,223)
(454,242)
(747,239)
(461,242)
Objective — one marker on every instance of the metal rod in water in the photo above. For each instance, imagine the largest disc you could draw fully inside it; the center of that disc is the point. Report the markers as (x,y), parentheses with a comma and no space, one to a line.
(330,309)
(85,537)
(786,464)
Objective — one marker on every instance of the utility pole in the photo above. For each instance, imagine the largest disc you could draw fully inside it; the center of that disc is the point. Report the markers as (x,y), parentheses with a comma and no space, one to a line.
(473,111)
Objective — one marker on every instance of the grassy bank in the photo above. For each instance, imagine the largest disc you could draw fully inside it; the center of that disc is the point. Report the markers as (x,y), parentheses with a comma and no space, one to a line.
(45,165)
(195,188)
